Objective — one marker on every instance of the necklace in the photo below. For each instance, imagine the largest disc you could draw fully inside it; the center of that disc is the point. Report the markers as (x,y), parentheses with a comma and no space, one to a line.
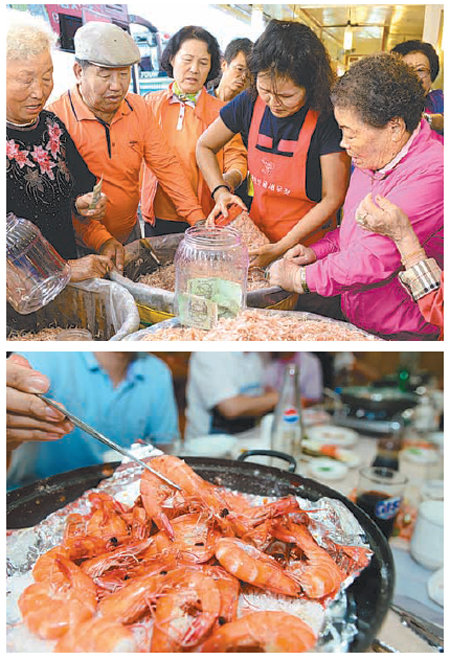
(20,126)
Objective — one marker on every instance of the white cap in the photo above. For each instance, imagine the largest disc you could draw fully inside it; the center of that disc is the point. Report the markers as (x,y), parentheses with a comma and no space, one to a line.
(105,44)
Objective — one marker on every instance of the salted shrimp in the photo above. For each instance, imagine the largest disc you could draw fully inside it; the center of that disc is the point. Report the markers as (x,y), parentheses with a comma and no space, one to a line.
(267,631)
(97,635)
(186,612)
(318,575)
(251,565)
(51,607)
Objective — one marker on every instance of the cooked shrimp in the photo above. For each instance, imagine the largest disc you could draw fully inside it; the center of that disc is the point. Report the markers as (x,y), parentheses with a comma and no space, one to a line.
(81,547)
(51,608)
(229,592)
(97,635)
(192,485)
(106,524)
(154,492)
(121,557)
(243,522)
(133,600)
(251,565)
(186,612)
(266,631)
(194,538)
(318,575)
(46,568)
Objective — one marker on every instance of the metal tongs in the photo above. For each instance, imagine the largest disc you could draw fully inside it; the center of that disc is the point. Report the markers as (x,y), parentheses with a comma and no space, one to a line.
(105,440)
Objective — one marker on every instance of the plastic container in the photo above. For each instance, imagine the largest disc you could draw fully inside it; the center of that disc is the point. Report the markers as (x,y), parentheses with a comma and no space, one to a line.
(211,266)
(36,273)
(157,304)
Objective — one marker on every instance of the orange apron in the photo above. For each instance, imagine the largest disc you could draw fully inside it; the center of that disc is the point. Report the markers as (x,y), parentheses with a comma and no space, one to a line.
(279,182)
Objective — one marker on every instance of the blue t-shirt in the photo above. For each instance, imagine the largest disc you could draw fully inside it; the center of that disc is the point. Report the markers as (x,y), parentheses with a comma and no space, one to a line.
(237,116)
(142,406)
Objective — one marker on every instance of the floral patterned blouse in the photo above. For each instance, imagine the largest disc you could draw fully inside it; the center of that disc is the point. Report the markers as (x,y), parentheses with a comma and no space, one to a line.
(45,174)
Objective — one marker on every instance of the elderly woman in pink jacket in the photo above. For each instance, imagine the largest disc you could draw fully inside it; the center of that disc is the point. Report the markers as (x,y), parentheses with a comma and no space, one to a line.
(378,104)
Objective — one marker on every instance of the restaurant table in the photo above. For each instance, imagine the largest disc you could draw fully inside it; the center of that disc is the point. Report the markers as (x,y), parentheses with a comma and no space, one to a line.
(410,577)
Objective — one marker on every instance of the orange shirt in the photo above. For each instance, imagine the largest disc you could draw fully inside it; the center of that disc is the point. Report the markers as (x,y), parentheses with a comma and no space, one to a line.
(184,141)
(117,152)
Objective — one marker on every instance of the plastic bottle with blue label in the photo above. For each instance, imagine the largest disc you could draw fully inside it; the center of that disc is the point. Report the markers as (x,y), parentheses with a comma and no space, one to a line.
(287,430)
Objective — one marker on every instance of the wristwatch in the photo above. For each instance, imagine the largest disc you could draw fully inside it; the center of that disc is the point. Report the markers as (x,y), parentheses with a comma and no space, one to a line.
(427,117)
(421,279)
(303,283)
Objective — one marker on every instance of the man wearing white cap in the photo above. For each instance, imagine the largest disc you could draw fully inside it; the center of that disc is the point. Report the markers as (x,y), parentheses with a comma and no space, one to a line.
(115,132)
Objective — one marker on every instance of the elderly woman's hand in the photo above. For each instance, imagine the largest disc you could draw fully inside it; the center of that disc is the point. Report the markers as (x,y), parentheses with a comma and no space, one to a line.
(223,198)
(114,250)
(83,202)
(286,274)
(260,257)
(28,418)
(383,217)
(92,265)
(301,255)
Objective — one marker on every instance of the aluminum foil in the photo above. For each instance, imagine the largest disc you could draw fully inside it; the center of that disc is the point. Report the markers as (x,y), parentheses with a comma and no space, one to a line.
(335,624)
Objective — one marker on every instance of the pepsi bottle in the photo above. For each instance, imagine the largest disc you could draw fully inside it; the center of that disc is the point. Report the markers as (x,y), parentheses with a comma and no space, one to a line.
(287,431)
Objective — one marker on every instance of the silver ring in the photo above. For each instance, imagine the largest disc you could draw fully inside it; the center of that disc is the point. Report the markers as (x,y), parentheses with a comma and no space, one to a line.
(360,217)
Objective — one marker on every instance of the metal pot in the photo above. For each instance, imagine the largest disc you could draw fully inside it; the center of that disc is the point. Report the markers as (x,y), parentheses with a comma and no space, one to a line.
(370,593)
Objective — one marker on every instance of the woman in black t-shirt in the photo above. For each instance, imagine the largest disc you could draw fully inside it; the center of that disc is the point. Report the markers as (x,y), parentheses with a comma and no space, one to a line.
(298,170)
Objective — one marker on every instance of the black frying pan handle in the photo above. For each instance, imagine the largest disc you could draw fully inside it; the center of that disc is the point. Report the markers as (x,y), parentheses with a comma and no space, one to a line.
(274,454)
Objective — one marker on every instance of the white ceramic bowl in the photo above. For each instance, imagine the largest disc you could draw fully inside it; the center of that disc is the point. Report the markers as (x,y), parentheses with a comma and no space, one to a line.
(210,446)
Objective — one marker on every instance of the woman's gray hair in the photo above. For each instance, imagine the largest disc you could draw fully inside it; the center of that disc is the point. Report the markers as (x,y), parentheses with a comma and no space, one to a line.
(27,35)
(380,87)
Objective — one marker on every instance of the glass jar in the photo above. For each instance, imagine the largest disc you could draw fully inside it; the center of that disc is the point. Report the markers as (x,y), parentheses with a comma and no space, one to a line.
(211,266)
(36,273)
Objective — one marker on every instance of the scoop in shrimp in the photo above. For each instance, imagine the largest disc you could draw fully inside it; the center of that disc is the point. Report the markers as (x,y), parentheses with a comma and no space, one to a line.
(262,631)
(318,575)
(251,565)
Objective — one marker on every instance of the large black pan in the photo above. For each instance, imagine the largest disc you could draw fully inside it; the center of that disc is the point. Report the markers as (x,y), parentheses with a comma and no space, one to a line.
(377,399)
(371,593)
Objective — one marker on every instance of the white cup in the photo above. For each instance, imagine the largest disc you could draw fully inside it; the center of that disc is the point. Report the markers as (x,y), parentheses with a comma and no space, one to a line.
(427,542)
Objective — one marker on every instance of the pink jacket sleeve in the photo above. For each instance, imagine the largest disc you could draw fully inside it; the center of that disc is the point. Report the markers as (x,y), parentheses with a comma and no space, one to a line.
(366,261)
(327,244)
